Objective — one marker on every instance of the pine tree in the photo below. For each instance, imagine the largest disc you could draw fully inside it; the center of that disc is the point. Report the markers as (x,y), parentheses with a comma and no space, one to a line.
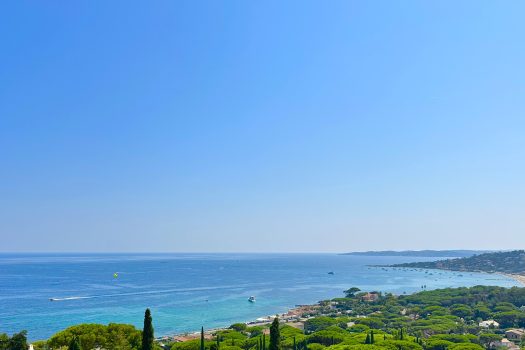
(367,340)
(275,335)
(264,342)
(147,333)
(74,344)
(401,336)
(371,337)
(18,341)
(202,338)
(294,345)
(384,337)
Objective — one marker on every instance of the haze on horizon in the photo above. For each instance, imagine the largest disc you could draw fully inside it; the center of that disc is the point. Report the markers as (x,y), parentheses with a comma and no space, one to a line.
(262,127)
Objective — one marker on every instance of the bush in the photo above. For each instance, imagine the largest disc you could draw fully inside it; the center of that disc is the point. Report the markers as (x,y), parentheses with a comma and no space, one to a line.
(239,327)
(91,336)
(318,323)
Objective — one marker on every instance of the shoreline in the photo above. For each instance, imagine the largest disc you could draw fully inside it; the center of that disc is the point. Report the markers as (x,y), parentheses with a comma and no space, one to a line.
(520,278)
(293,315)
(517,277)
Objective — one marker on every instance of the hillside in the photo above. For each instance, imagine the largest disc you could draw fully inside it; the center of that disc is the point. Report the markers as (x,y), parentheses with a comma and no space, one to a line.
(423,253)
(506,262)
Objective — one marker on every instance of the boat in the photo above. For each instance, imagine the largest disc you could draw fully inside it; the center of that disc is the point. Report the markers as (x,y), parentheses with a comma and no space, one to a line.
(331,273)
(251,299)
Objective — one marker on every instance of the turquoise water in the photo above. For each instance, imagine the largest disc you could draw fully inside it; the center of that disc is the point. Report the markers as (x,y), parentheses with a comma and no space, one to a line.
(185,291)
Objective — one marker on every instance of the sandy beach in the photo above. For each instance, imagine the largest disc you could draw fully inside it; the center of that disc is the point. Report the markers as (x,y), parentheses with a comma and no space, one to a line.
(292,317)
(519,278)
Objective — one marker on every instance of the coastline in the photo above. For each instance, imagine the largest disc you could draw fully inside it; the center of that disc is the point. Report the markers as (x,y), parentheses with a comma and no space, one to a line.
(293,317)
(517,277)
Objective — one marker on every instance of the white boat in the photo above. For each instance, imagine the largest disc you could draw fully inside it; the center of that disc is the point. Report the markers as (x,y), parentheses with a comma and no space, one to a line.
(251,299)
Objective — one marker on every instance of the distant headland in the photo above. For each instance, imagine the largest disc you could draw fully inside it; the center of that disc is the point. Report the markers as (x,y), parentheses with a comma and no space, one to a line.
(424,253)
(512,262)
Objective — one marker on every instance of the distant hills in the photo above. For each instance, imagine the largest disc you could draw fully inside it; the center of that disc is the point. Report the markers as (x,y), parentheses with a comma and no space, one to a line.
(423,253)
(505,262)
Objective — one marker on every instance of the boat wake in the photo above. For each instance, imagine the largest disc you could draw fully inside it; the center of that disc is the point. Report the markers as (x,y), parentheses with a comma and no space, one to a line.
(165,291)
(68,298)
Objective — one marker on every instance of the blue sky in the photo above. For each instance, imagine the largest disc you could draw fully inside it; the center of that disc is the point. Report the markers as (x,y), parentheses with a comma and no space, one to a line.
(261,126)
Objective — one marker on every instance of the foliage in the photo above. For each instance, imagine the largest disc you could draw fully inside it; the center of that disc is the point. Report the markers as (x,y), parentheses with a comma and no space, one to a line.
(319,323)
(91,336)
(147,333)
(328,336)
(507,262)
(239,327)
(74,345)
(275,335)
(17,341)
(350,293)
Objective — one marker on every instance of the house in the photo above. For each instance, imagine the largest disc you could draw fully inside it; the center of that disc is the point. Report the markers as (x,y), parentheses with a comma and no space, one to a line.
(489,324)
(370,296)
(515,334)
(506,344)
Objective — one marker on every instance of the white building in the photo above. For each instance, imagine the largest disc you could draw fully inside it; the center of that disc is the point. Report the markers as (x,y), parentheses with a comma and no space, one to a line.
(489,324)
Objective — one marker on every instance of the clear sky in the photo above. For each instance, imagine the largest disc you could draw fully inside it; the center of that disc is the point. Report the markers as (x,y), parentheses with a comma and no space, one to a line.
(261,126)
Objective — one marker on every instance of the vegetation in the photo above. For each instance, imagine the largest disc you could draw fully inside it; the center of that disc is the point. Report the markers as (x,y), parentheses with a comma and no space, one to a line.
(423,253)
(147,333)
(74,345)
(275,335)
(17,342)
(506,262)
(92,336)
(445,319)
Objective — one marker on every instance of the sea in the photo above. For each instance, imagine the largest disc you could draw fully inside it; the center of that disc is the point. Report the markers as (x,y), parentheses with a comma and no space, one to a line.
(45,293)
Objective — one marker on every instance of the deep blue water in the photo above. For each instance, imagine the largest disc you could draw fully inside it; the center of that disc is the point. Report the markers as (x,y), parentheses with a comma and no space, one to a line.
(185,291)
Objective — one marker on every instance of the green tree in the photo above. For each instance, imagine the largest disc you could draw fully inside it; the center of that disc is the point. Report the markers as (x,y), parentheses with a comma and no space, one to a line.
(275,335)
(4,341)
(318,323)
(74,345)
(350,293)
(147,333)
(367,340)
(487,339)
(202,338)
(18,341)
(239,327)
